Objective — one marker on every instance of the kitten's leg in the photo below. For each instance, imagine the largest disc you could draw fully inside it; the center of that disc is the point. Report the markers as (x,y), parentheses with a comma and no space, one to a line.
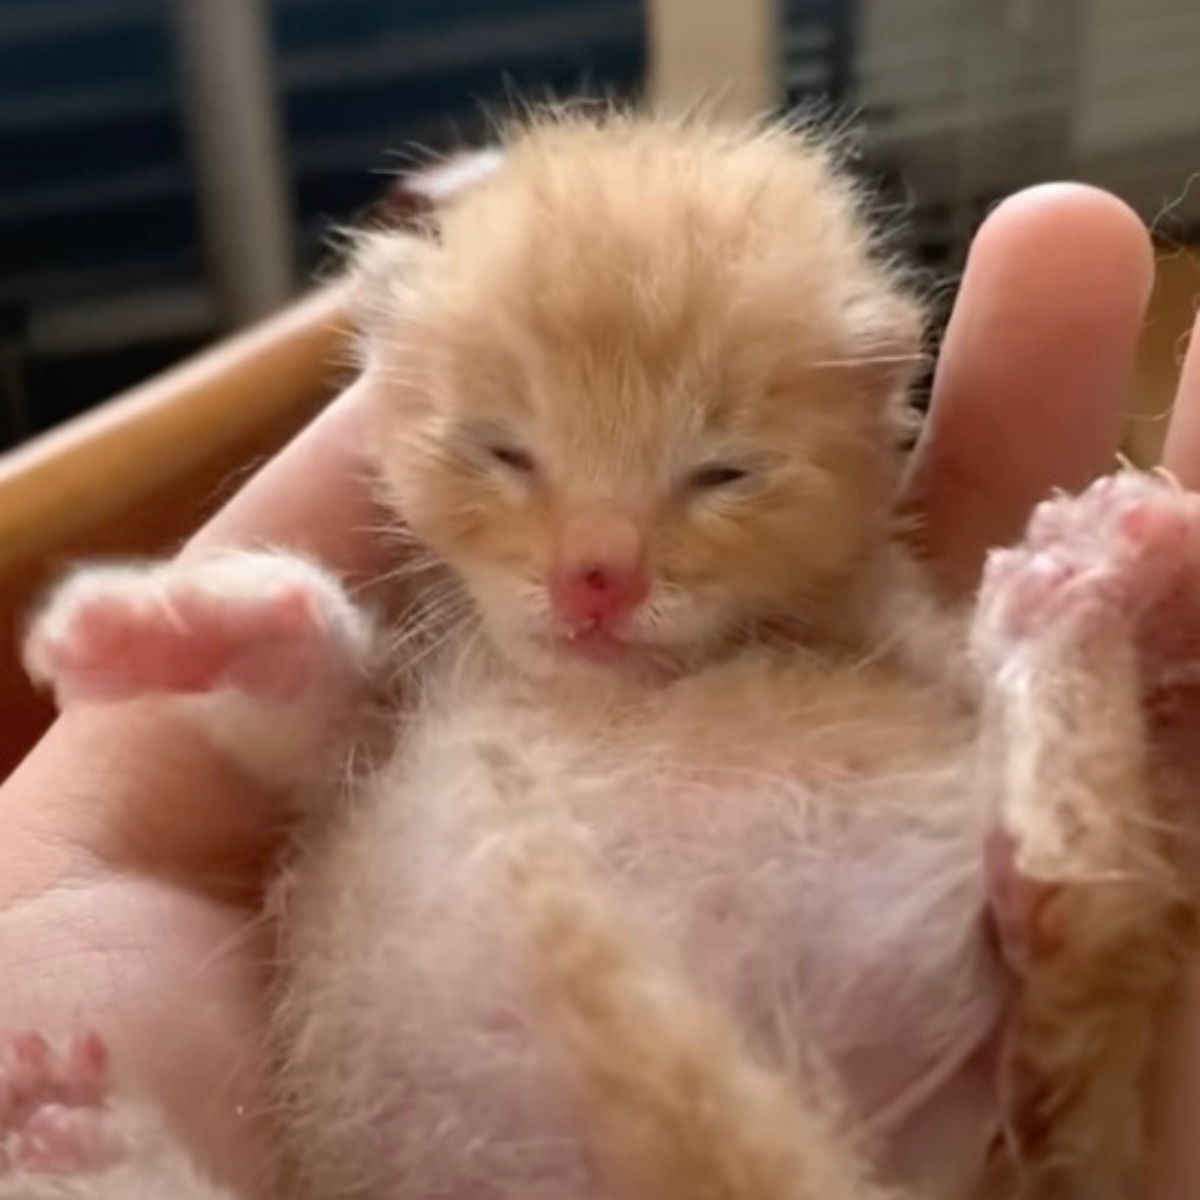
(63,1136)
(263,650)
(1088,908)
(673,1102)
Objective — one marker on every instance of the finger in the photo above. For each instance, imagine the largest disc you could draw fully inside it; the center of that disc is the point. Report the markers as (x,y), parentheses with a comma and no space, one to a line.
(1034,368)
(1181,453)
(316,496)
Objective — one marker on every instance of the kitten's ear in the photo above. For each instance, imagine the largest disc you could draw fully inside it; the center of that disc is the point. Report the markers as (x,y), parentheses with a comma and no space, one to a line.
(446,182)
(888,330)
(386,263)
(414,199)
(385,269)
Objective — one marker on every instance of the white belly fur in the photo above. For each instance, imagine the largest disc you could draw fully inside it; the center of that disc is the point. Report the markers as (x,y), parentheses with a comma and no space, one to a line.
(813,867)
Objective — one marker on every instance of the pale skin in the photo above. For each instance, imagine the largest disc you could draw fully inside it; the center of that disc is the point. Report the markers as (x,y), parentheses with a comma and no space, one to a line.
(133,904)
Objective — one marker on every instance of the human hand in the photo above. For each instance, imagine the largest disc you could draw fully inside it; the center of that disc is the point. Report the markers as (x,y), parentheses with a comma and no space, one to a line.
(133,858)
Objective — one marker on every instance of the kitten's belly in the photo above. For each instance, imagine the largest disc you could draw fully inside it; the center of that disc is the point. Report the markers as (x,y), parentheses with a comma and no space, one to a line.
(827,914)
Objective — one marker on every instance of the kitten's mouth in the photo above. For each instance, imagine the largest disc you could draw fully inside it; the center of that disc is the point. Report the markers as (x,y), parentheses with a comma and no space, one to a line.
(595,643)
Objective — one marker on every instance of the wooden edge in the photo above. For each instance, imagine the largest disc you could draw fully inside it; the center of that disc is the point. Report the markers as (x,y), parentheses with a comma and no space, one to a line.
(93,466)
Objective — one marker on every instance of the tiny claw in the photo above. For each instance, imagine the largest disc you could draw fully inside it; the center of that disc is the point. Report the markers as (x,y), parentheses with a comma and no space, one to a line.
(1169,479)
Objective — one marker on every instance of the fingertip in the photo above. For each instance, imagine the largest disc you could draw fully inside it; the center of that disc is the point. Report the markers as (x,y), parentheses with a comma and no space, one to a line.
(1034,370)
(1090,212)
(1072,227)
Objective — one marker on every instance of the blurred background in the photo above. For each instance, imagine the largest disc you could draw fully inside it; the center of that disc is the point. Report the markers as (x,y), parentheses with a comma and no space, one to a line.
(170,170)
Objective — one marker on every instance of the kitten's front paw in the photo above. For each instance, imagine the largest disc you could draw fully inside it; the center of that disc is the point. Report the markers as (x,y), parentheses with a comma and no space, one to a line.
(271,625)
(1112,557)
(53,1114)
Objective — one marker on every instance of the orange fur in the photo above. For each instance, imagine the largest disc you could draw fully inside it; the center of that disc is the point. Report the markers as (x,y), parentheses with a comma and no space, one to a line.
(626,301)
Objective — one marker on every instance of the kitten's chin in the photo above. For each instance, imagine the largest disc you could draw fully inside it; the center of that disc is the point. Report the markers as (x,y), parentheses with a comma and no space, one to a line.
(583,655)
(595,653)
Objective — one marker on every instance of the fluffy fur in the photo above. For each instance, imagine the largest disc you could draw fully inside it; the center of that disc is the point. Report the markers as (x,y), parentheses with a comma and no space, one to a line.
(757,890)
(627,302)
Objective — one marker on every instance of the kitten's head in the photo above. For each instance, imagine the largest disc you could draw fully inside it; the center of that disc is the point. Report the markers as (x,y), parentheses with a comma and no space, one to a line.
(642,386)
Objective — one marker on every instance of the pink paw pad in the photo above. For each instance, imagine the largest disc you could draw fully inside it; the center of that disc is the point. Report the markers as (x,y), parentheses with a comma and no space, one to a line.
(52,1106)
(113,635)
(1113,551)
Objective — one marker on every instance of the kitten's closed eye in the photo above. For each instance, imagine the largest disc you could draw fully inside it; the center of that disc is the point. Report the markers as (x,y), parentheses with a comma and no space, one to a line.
(716,475)
(513,457)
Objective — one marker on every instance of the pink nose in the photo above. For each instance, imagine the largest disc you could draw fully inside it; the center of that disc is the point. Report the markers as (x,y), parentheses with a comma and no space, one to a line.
(598,575)
(597,593)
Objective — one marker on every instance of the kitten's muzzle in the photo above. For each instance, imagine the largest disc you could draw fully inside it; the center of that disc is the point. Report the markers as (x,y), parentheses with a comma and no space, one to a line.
(598,576)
